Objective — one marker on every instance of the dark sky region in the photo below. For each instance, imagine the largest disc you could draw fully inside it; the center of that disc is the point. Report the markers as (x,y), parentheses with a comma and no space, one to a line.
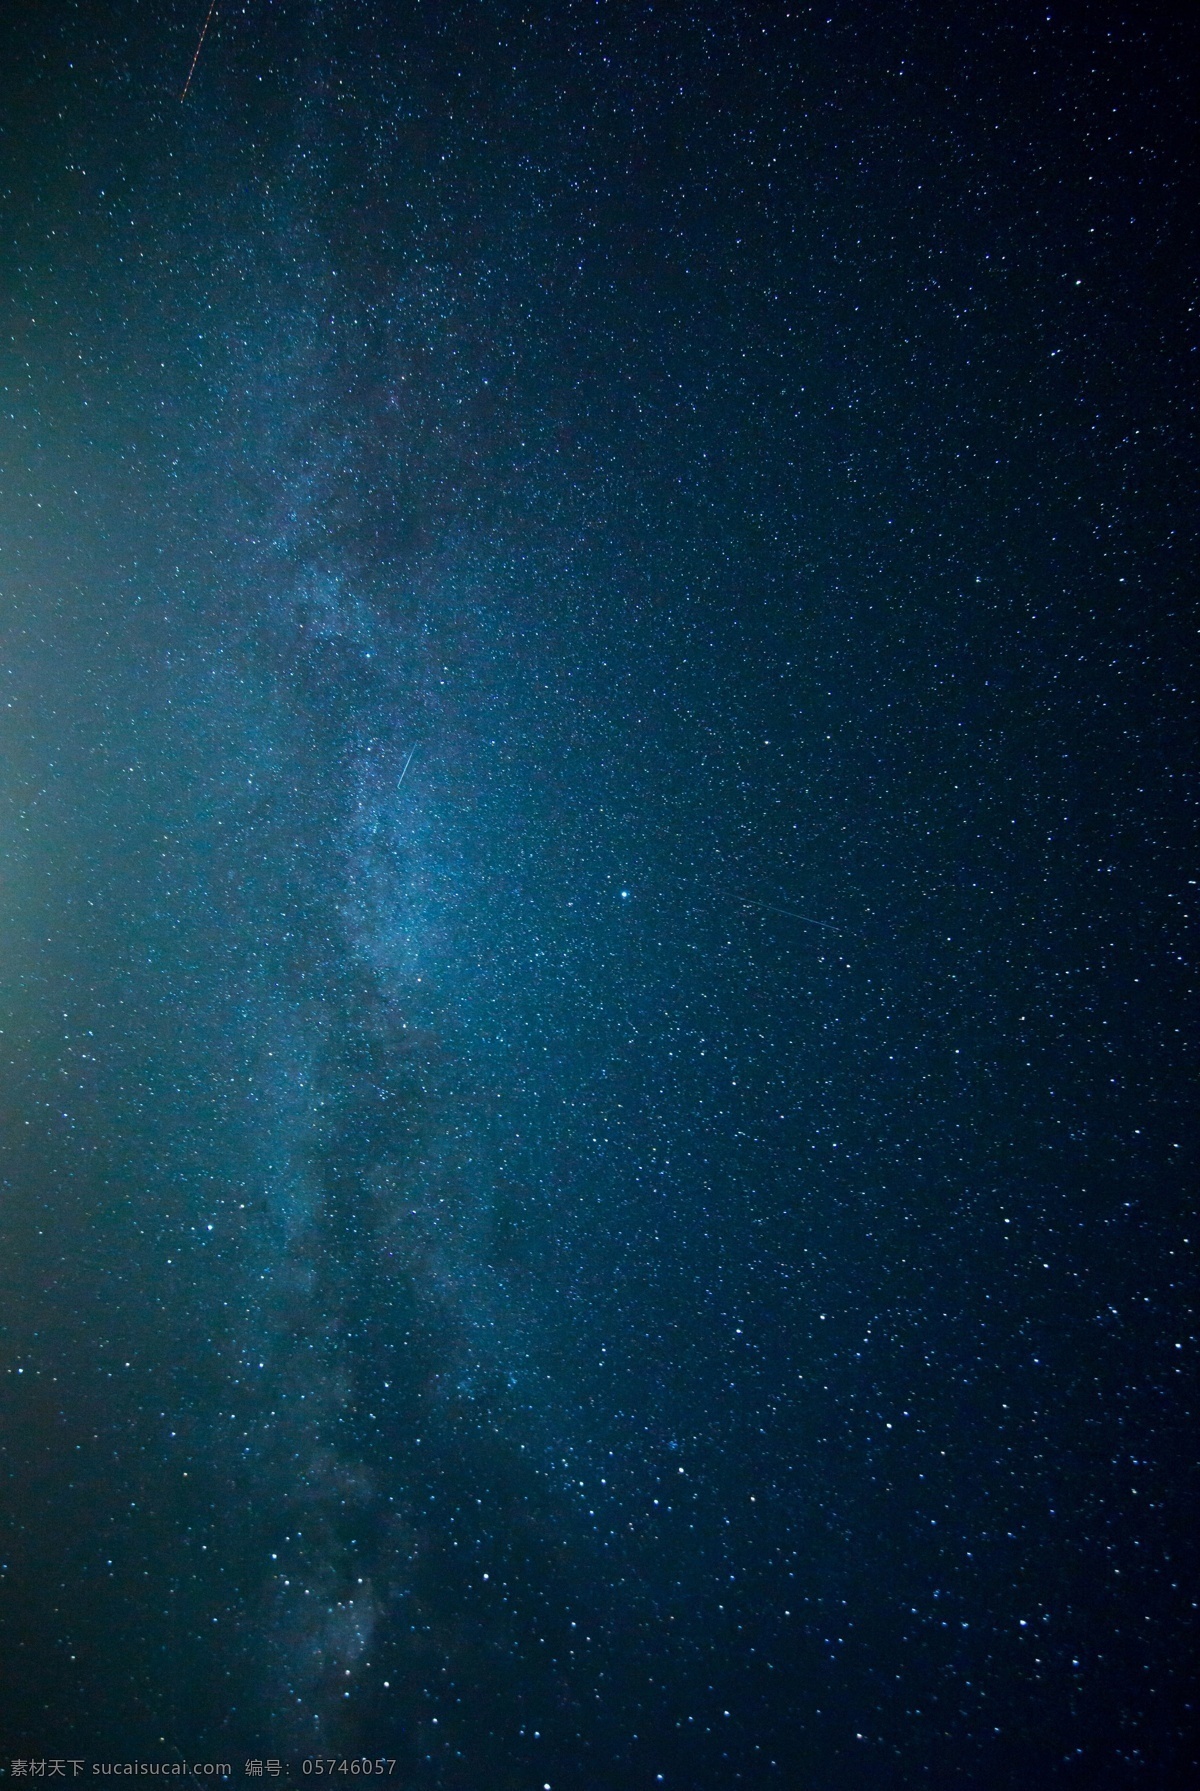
(596,891)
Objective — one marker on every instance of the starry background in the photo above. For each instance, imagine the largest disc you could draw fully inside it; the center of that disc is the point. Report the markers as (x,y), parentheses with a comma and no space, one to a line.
(595,891)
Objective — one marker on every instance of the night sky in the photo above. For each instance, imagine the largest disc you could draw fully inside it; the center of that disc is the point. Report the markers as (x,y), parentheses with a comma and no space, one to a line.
(595,891)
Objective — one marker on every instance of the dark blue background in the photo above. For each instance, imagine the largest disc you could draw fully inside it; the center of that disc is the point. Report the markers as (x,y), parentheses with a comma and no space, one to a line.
(651,1242)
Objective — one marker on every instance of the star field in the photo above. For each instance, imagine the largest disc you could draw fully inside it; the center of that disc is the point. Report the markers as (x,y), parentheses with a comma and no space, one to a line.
(596,1003)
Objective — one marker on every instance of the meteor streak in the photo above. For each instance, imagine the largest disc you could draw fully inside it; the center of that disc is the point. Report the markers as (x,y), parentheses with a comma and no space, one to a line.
(774,908)
(195,59)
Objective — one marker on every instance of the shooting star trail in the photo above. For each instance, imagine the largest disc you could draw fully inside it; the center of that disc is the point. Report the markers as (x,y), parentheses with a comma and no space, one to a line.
(195,59)
(748,901)
(408,761)
(792,913)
